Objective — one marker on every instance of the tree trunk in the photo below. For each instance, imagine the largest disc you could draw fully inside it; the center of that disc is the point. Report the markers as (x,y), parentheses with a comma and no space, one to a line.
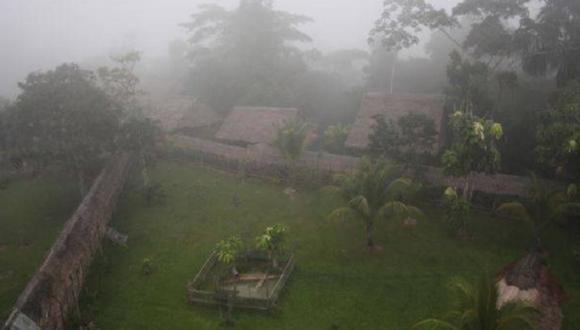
(273,259)
(467,188)
(370,241)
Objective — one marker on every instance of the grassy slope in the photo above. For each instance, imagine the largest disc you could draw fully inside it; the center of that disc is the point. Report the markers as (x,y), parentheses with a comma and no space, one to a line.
(32,213)
(336,281)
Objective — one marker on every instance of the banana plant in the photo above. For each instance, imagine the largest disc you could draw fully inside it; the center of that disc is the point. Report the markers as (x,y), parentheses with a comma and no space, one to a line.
(228,250)
(272,241)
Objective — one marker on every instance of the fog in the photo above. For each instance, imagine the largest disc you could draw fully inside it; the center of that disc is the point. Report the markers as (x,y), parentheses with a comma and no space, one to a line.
(39,34)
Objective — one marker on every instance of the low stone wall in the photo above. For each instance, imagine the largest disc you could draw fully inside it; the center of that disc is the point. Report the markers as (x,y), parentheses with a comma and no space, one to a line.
(52,294)
(325,162)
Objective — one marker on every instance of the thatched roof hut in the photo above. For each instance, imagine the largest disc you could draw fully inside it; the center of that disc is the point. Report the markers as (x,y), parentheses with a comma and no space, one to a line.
(180,112)
(252,125)
(392,106)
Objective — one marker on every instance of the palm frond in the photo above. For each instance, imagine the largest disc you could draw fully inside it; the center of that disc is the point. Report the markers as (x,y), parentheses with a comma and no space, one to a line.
(516,316)
(399,187)
(360,205)
(567,209)
(414,212)
(515,210)
(395,209)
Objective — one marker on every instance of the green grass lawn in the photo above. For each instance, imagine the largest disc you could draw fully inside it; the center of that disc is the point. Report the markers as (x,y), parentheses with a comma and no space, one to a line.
(32,213)
(336,283)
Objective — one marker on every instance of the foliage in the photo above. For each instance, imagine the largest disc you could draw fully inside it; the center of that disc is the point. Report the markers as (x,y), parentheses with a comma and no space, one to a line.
(61,116)
(559,134)
(457,211)
(228,250)
(374,192)
(244,56)
(473,146)
(335,136)
(418,137)
(121,82)
(474,307)
(4,105)
(402,18)
(292,138)
(273,238)
(411,140)
(469,82)
(500,31)
(547,204)
(384,139)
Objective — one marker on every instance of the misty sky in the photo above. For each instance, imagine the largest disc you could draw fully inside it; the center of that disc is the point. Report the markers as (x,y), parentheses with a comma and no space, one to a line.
(39,34)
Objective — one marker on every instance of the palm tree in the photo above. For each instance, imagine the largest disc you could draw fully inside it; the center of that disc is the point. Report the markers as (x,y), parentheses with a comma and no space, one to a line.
(373,192)
(475,308)
(546,204)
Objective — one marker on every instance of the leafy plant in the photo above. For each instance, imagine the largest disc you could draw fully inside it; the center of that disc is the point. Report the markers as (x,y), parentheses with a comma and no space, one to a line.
(384,139)
(291,140)
(475,308)
(335,136)
(558,135)
(546,205)
(228,250)
(272,241)
(408,141)
(457,210)
(375,191)
(473,148)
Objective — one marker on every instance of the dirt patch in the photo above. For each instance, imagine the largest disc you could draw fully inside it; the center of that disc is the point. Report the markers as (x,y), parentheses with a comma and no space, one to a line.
(3,248)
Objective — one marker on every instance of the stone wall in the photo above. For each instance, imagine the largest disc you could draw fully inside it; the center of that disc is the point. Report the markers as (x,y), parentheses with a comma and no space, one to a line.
(51,296)
(263,154)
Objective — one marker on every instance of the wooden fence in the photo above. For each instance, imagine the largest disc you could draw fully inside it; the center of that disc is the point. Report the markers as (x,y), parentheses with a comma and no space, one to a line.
(265,158)
(51,296)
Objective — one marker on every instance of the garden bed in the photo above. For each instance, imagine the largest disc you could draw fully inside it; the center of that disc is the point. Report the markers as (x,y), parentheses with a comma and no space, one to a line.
(257,286)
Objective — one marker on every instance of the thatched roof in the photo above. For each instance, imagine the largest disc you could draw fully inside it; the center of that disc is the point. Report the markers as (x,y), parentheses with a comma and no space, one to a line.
(181,112)
(392,106)
(251,125)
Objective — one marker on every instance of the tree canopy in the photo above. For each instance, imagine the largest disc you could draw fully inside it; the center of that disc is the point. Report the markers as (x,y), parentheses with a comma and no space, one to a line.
(245,55)
(503,33)
(62,116)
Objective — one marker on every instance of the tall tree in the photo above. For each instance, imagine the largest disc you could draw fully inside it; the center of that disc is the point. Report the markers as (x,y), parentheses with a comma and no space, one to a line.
(503,32)
(62,116)
(558,135)
(245,55)
(473,147)
(137,133)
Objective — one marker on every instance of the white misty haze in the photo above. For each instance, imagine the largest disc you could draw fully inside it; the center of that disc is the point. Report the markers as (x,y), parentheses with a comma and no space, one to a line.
(39,34)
